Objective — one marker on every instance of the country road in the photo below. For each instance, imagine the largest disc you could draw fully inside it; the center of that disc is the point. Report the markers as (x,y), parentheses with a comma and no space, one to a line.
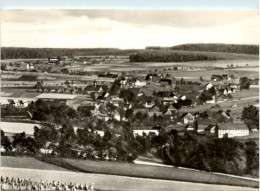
(116,183)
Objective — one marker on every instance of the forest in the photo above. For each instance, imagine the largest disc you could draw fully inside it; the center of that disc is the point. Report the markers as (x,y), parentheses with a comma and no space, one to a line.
(213,47)
(15,53)
(171,56)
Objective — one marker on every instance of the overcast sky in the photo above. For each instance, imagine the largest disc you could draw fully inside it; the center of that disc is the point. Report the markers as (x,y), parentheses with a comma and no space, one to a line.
(126,28)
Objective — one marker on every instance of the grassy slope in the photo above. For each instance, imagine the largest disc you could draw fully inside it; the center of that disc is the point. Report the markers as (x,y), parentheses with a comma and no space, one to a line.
(142,171)
(27,162)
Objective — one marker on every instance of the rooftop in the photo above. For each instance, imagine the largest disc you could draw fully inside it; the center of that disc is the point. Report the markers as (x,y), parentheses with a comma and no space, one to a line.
(232,126)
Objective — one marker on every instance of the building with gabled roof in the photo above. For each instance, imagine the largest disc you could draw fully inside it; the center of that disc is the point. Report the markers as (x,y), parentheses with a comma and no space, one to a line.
(232,130)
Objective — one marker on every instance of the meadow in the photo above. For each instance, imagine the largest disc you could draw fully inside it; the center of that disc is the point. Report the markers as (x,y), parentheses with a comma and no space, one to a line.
(146,171)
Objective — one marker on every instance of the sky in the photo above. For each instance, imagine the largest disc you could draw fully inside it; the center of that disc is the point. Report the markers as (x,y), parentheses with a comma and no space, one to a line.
(124,29)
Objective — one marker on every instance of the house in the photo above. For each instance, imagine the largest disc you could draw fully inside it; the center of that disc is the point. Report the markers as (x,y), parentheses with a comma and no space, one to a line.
(153,77)
(154,111)
(213,100)
(232,130)
(168,114)
(208,86)
(116,100)
(93,88)
(127,106)
(226,77)
(30,66)
(139,83)
(222,117)
(149,103)
(189,127)
(54,60)
(234,86)
(165,82)
(201,128)
(211,130)
(187,118)
(104,97)
(216,78)
(123,81)
(172,108)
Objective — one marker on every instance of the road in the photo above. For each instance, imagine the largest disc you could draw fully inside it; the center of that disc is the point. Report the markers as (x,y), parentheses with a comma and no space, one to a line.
(119,183)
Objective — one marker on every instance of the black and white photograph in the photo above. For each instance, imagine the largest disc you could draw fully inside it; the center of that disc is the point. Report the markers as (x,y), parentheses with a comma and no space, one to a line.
(130,99)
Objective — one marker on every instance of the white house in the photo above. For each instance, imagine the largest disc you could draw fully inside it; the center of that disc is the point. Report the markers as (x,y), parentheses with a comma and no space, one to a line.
(188,118)
(232,130)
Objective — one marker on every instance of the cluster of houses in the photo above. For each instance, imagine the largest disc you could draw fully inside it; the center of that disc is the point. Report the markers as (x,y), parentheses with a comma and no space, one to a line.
(154,96)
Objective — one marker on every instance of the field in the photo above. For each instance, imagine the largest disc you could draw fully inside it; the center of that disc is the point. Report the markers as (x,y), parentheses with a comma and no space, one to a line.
(116,183)
(246,93)
(36,170)
(27,162)
(146,171)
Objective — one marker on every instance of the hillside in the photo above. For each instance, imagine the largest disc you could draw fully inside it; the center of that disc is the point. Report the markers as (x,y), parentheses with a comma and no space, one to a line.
(213,47)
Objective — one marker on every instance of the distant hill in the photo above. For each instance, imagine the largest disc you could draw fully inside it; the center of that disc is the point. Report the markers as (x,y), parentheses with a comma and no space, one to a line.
(16,53)
(213,47)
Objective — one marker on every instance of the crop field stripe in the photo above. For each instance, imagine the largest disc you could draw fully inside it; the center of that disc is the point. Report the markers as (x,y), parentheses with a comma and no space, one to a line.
(114,182)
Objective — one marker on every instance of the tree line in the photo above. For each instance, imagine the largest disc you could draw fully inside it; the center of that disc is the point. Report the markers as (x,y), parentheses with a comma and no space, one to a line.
(171,56)
(213,47)
(26,53)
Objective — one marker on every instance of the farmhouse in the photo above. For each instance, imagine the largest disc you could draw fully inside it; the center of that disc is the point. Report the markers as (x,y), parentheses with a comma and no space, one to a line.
(187,118)
(54,60)
(232,130)
(165,82)
(216,78)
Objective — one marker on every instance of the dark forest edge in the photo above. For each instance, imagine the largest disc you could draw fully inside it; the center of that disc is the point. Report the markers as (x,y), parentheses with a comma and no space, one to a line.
(213,47)
(27,53)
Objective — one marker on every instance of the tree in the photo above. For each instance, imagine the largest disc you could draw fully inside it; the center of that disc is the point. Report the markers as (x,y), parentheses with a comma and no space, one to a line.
(205,96)
(19,141)
(212,91)
(65,71)
(115,87)
(83,111)
(3,66)
(252,156)
(244,83)
(250,116)
(5,142)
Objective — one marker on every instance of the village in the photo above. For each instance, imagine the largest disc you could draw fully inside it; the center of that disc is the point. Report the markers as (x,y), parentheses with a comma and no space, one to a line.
(149,101)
